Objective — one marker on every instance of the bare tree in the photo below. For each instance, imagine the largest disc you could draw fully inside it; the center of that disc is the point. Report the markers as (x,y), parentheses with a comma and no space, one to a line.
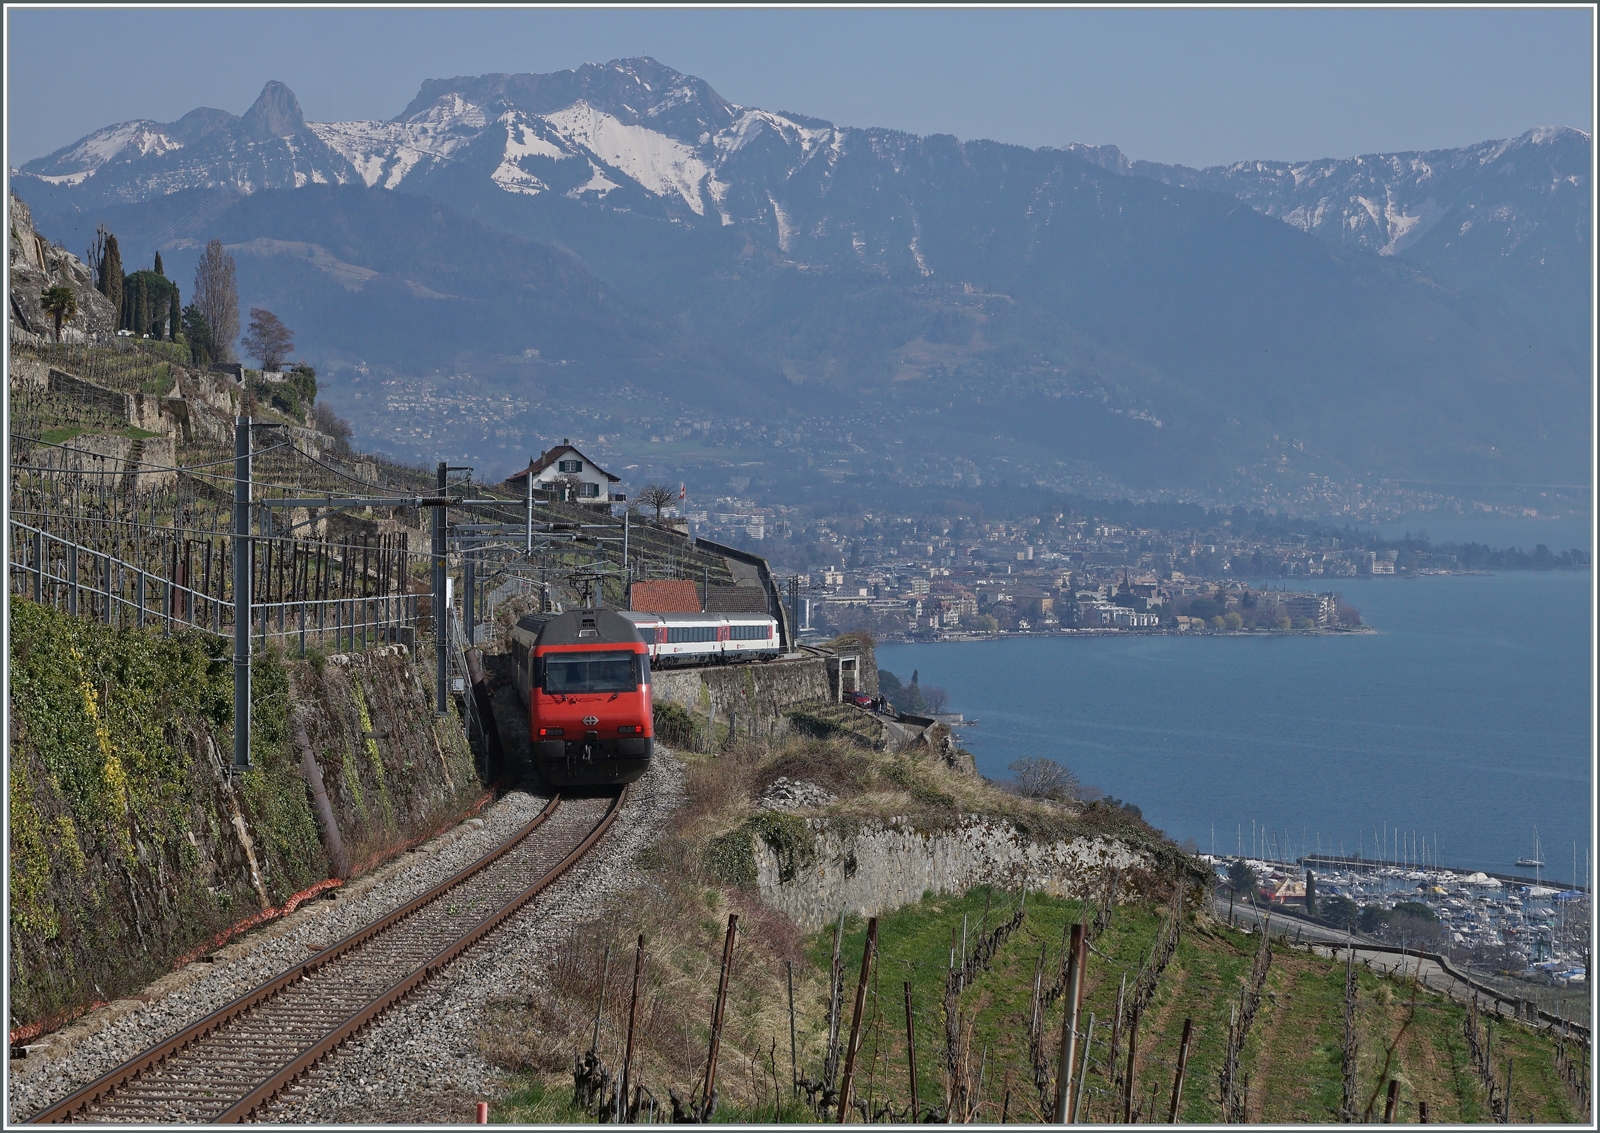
(935,699)
(1041,778)
(330,423)
(657,496)
(269,340)
(566,488)
(217,296)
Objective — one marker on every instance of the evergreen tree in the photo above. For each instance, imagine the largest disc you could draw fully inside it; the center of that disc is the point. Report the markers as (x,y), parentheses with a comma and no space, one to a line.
(1311,893)
(198,332)
(128,317)
(158,265)
(150,304)
(110,281)
(136,304)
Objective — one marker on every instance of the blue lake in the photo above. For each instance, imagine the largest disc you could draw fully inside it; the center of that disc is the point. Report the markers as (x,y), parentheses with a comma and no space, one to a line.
(1466,718)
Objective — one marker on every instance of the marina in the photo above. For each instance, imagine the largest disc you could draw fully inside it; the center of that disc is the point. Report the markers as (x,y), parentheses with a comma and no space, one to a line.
(1502,924)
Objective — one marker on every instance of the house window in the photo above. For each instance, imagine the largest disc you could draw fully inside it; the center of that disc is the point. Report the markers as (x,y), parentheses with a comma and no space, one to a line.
(569,466)
(588,491)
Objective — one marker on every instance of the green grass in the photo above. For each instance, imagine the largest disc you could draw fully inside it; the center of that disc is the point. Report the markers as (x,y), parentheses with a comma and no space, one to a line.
(62,434)
(1292,1054)
(532,1101)
(914,945)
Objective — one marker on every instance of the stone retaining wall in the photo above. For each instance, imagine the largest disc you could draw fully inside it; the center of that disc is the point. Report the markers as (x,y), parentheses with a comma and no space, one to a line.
(890,864)
(130,844)
(753,696)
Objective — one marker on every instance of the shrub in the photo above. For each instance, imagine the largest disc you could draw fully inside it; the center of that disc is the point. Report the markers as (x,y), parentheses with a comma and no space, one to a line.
(1340,911)
(673,725)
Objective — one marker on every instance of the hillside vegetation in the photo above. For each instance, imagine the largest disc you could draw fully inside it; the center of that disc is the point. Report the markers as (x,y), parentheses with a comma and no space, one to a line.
(977,1056)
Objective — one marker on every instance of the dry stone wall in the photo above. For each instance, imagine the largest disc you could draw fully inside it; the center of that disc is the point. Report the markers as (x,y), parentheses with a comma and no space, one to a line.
(886,865)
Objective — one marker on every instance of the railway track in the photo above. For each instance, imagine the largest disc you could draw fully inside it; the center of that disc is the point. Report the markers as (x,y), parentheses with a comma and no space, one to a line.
(229,1065)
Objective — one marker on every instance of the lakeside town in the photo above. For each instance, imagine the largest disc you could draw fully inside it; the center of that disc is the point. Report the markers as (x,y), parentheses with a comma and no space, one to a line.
(905,577)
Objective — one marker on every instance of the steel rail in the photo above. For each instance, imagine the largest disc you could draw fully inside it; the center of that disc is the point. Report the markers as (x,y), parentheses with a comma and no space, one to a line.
(264,1093)
(88,1095)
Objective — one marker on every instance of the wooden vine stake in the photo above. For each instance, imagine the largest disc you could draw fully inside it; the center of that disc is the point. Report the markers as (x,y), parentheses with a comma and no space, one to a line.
(911,1056)
(1177,1079)
(708,1094)
(855,1021)
(1069,1025)
(633,1008)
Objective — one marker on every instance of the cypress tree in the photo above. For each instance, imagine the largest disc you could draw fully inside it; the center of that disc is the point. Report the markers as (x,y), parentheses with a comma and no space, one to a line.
(130,303)
(136,305)
(111,276)
(158,265)
(174,312)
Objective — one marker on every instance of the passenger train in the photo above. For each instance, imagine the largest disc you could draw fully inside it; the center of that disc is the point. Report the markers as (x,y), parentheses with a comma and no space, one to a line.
(585,678)
(699,639)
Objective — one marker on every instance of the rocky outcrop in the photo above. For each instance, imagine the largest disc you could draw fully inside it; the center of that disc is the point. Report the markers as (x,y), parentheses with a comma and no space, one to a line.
(883,865)
(792,794)
(275,114)
(35,265)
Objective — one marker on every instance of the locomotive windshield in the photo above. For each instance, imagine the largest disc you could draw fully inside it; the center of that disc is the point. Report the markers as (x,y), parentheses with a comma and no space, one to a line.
(569,673)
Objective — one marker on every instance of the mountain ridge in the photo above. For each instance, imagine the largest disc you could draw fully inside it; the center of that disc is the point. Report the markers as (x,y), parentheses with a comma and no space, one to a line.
(1167,331)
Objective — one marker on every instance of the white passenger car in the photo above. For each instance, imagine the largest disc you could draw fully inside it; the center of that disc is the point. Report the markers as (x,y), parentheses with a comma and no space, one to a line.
(700,639)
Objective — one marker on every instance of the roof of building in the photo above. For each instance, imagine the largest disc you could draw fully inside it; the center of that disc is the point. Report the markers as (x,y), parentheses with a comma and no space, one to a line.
(665,596)
(546,459)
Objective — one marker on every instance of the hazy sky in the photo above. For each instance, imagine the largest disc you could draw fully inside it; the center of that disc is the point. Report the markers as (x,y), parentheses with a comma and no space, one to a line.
(1195,86)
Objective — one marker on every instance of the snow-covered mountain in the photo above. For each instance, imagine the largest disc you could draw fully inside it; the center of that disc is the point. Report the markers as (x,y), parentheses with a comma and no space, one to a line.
(1386,203)
(631,125)
(269,147)
(636,135)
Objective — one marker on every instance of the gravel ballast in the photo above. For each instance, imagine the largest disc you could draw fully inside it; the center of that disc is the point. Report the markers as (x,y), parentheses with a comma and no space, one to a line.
(420,1062)
(417,1062)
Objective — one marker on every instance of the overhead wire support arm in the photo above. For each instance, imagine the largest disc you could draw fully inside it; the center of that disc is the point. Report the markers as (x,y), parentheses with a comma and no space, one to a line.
(360,501)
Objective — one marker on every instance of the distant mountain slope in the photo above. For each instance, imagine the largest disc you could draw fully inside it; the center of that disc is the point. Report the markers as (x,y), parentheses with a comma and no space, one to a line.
(1146,327)
(395,279)
(1510,217)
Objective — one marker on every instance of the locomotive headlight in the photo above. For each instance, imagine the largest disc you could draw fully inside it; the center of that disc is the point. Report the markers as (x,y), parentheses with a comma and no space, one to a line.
(628,729)
(550,731)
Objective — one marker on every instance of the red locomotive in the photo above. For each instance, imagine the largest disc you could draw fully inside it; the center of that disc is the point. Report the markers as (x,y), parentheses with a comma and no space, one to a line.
(586,678)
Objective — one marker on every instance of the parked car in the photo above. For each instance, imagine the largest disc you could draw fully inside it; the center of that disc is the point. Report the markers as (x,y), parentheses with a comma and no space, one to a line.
(859,699)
